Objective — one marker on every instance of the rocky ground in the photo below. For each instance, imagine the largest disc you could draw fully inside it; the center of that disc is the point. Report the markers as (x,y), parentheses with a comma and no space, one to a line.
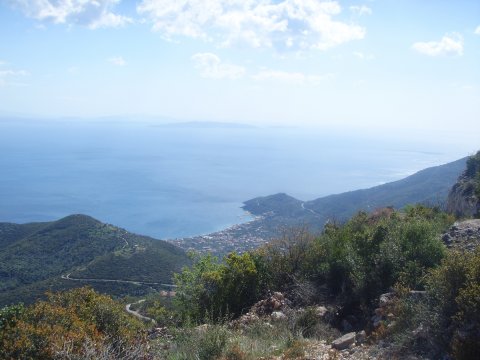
(353,345)
(463,235)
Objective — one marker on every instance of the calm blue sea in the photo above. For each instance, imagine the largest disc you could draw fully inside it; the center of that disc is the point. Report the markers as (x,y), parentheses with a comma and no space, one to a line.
(170,182)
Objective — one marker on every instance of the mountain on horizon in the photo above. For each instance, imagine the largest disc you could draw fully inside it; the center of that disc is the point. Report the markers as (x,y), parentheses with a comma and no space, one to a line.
(429,186)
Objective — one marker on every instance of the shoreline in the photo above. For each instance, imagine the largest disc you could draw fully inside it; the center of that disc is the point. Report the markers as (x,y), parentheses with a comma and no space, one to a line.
(237,237)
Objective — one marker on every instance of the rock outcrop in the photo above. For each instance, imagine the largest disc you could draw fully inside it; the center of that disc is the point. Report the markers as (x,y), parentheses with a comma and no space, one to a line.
(273,307)
(463,199)
(463,235)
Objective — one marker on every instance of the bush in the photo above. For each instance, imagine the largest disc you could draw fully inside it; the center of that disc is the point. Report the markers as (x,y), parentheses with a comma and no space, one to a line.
(448,319)
(455,291)
(287,260)
(196,288)
(355,262)
(371,253)
(9,316)
(210,290)
(66,323)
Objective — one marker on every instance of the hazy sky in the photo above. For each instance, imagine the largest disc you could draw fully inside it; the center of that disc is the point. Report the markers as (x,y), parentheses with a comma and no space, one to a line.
(383,64)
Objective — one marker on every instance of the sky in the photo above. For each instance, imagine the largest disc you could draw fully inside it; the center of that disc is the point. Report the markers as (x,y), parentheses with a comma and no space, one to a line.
(374,65)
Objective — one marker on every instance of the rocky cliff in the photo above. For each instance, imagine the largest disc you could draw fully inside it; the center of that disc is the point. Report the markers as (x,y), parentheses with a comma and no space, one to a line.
(464,197)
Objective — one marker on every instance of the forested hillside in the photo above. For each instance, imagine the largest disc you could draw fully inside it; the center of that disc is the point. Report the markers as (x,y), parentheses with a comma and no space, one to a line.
(429,186)
(33,257)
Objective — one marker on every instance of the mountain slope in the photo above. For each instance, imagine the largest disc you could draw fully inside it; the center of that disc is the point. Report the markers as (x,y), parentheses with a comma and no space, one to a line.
(430,185)
(40,253)
(146,263)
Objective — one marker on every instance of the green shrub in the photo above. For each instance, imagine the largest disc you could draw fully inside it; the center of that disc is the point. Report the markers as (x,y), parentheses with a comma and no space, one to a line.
(371,253)
(454,290)
(196,288)
(210,290)
(9,315)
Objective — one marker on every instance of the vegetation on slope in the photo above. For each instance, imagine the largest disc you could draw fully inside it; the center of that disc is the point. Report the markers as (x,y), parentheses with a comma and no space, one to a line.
(349,267)
(153,262)
(72,325)
(429,186)
(355,262)
(346,268)
(34,256)
(473,172)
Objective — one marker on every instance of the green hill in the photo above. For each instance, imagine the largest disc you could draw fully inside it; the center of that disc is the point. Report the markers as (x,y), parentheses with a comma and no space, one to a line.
(33,257)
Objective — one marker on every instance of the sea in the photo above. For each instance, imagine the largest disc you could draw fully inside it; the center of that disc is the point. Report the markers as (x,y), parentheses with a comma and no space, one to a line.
(177,180)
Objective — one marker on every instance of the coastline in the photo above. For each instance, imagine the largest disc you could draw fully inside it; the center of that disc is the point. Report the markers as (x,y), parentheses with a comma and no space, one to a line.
(239,237)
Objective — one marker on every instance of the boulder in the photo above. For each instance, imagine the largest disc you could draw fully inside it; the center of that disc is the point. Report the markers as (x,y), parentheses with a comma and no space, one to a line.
(276,302)
(278,315)
(344,342)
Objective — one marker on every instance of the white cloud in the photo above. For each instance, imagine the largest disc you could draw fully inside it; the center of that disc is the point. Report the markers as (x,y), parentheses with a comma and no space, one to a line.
(290,77)
(363,56)
(5,73)
(210,66)
(361,10)
(9,76)
(448,45)
(477,30)
(91,13)
(110,20)
(284,24)
(117,61)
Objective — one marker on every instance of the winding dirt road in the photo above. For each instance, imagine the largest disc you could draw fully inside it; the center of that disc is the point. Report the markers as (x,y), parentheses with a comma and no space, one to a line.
(137,314)
(67,277)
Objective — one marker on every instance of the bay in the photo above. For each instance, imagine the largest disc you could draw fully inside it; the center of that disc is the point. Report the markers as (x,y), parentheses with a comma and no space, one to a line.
(177,181)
